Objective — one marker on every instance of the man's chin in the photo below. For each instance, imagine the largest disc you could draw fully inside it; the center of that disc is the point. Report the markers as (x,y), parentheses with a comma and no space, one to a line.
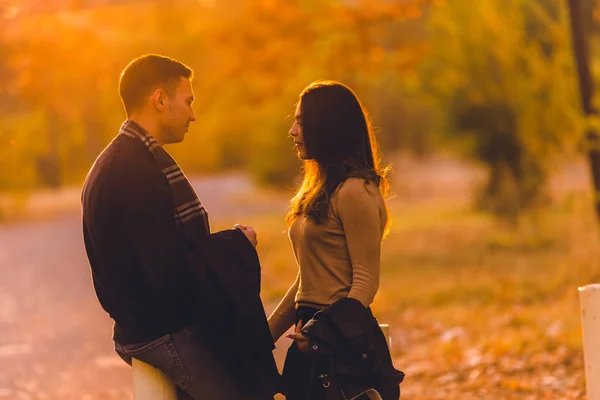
(182,136)
(179,138)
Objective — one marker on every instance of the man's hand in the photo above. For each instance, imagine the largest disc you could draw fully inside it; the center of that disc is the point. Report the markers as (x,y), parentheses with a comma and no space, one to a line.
(301,340)
(249,232)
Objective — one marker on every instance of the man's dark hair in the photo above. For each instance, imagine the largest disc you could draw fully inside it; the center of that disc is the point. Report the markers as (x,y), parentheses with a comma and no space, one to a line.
(148,73)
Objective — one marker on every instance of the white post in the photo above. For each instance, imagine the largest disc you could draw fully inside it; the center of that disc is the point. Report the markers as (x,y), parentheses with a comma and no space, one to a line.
(151,384)
(386,332)
(589,297)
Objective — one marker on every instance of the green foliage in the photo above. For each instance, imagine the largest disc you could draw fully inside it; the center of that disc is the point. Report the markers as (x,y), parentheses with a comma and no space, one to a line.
(503,73)
(21,137)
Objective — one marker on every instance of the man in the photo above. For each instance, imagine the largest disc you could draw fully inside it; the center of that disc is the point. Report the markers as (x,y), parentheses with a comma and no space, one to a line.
(145,231)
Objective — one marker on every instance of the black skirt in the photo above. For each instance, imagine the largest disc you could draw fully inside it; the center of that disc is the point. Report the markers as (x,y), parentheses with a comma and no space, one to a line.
(302,371)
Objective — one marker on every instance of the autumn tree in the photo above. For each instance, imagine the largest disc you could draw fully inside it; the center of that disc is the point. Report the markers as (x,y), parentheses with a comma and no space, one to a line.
(269,50)
(502,73)
(251,59)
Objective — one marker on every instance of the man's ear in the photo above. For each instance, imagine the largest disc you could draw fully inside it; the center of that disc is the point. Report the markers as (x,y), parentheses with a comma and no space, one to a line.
(159,98)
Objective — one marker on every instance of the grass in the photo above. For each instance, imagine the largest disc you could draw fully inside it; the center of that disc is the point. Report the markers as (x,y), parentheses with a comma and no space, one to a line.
(12,205)
(31,205)
(476,310)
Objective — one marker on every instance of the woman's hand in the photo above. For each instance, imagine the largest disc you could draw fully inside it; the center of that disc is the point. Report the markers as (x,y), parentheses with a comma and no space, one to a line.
(301,340)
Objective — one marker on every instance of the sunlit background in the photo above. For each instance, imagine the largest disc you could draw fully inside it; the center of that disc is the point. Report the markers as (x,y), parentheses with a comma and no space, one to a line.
(476,105)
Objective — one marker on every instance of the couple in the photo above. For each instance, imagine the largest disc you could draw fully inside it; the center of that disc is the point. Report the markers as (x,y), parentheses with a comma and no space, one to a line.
(187,301)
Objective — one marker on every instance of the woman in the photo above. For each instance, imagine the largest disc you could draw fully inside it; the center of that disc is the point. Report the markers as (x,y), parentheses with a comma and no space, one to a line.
(337,221)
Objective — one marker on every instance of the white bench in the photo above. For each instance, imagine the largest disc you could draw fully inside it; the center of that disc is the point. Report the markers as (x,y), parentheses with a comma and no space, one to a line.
(151,384)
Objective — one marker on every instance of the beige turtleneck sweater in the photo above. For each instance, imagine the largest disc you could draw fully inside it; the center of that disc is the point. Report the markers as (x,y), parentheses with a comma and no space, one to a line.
(337,258)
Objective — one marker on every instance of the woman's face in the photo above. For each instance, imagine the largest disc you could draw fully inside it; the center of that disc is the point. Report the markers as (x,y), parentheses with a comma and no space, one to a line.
(296,134)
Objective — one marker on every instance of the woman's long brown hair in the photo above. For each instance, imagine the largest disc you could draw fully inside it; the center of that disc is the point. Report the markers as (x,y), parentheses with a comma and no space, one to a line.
(340,144)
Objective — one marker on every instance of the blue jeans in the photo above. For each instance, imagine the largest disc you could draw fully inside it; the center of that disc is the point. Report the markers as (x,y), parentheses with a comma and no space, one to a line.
(188,363)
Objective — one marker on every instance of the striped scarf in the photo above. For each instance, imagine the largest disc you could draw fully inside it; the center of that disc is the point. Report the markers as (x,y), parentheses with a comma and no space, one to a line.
(189,211)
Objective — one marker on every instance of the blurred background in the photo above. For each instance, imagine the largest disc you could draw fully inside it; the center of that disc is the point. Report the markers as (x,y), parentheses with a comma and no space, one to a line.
(477,107)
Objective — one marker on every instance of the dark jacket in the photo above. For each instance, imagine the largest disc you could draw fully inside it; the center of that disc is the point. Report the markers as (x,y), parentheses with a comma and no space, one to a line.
(347,333)
(140,263)
(242,337)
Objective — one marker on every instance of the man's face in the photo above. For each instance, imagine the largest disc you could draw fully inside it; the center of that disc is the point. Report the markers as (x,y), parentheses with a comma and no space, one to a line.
(178,112)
